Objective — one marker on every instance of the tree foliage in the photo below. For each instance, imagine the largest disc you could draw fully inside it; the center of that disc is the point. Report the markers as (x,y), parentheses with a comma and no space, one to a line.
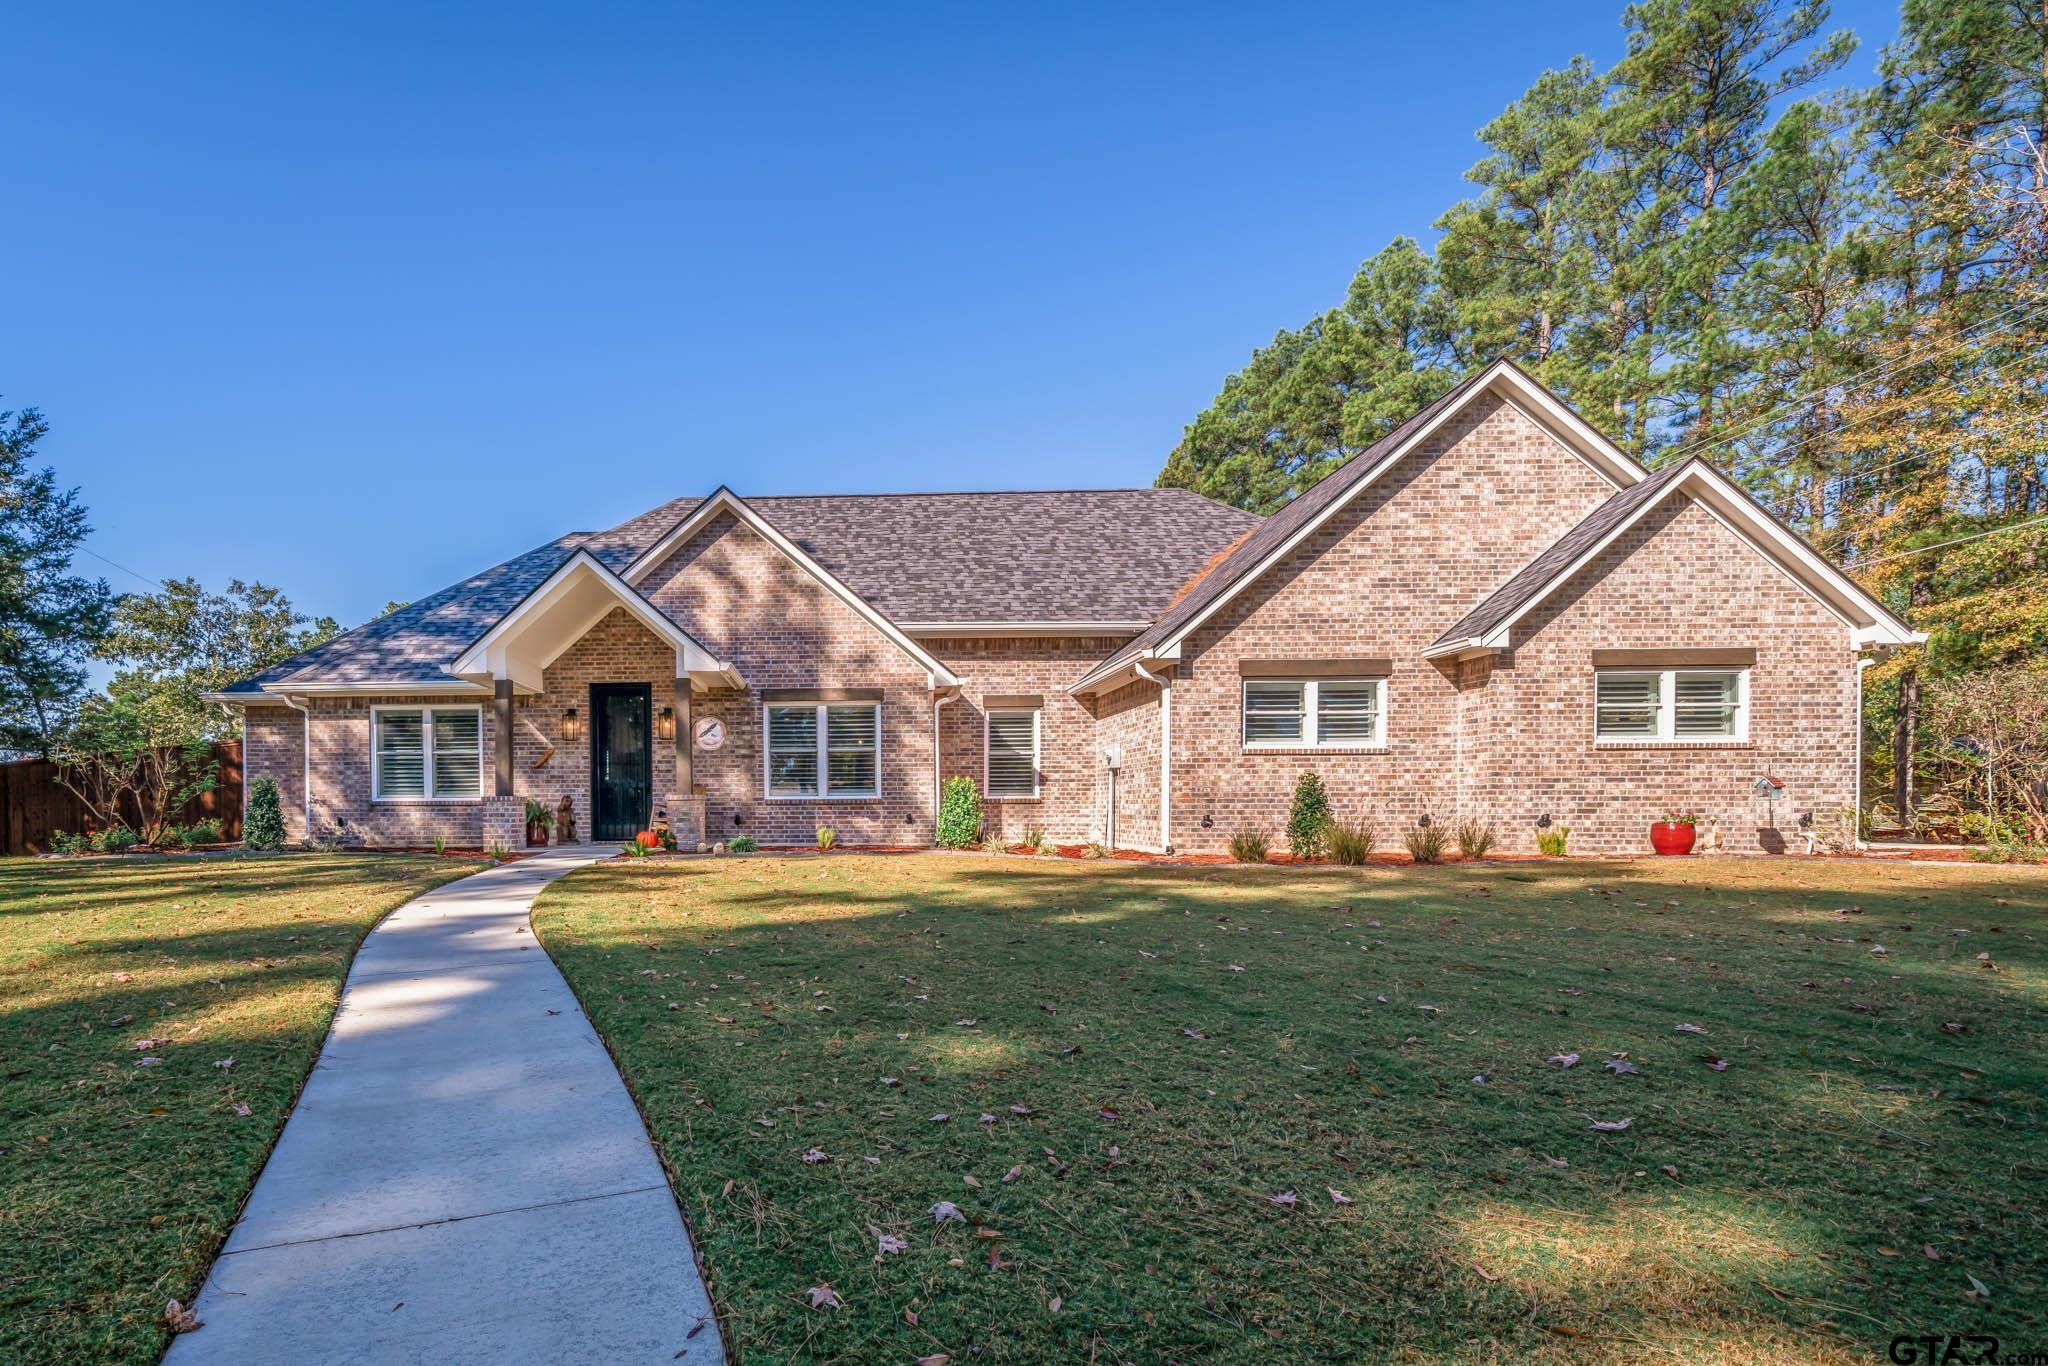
(50,617)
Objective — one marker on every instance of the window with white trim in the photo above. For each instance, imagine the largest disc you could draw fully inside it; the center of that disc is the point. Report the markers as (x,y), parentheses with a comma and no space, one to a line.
(426,753)
(1012,750)
(1670,705)
(839,742)
(1315,713)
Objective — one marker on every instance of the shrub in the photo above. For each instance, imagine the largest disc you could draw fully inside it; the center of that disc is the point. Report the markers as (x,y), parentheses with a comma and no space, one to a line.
(959,812)
(196,834)
(115,839)
(499,852)
(1550,843)
(1310,817)
(440,844)
(61,843)
(1350,844)
(827,837)
(992,842)
(1094,849)
(1034,839)
(1427,843)
(537,813)
(264,827)
(742,844)
(1476,838)
(1250,846)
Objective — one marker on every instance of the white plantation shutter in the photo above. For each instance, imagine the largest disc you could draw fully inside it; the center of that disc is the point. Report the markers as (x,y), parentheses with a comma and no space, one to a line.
(1704,704)
(401,754)
(1626,705)
(1347,711)
(1273,712)
(1013,754)
(458,745)
(793,751)
(852,745)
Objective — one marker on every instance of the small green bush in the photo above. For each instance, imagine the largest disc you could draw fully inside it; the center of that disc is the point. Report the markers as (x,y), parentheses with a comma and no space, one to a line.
(1427,843)
(440,844)
(1034,839)
(198,833)
(115,839)
(742,844)
(499,853)
(1308,821)
(1550,843)
(1475,838)
(959,812)
(264,826)
(1094,849)
(827,837)
(1350,844)
(1250,846)
(61,843)
(992,842)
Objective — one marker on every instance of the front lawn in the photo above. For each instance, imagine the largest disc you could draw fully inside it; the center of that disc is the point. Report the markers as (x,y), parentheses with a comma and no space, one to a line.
(1201,1113)
(120,1176)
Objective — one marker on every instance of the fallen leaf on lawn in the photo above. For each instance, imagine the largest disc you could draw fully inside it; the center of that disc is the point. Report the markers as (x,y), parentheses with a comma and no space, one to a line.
(825,1010)
(995,1259)
(1715,1061)
(1927,1251)
(891,1081)
(765,1123)
(971,1181)
(1952,1027)
(963,1022)
(1884,1251)
(144,1045)
(1555,1161)
(1107,1112)
(723,1019)
(1622,1067)
(887,1242)
(1571,991)
(941,1117)
(910,1317)
(1194,1034)
(936,1358)
(1484,1274)
(815,1155)
(224,1063)
(825,1297)
(1022,1110)
(179,1319)
(1563,1060)
(1338,1197)
(946,1212)
(1284,1199)
(1239,967)
(986,1119)
(1055,1305)
(241,1107)
(1690,1029)
(1669,1171)
(1613,1126)
(1978,1286)
(1147,953)
(147,1061)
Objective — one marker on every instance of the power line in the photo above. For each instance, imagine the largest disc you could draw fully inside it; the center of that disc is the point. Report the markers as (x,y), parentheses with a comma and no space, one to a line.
(153,583)
(1857,385)
(1943,545)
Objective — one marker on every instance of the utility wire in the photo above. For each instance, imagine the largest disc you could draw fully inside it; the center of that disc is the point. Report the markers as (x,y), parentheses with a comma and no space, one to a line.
(153,583)
(1943,545)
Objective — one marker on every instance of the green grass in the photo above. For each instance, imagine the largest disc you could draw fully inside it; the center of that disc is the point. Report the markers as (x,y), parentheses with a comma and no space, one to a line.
(118,1182)
(1839,1183)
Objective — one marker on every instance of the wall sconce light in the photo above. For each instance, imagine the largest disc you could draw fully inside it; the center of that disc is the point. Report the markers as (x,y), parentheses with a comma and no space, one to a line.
(1208,822)
(571,726)
(665,724)
(1422,821)
(735,818)
(1543,821)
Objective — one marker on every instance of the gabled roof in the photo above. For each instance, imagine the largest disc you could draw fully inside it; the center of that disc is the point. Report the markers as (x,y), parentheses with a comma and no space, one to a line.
(603,591)
(1488,625)
(1285,529)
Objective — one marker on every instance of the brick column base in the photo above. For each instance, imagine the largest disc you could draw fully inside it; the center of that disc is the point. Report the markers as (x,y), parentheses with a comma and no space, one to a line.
(685,820)
(505,822)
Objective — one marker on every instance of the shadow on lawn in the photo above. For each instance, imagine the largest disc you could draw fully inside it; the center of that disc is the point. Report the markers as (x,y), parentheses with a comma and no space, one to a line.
(1849,1124)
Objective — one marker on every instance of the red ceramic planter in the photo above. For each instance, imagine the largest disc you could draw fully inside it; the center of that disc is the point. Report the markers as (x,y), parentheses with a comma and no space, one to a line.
(1672,837)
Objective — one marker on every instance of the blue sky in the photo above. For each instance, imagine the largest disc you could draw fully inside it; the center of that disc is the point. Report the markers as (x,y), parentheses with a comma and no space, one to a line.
(358,299)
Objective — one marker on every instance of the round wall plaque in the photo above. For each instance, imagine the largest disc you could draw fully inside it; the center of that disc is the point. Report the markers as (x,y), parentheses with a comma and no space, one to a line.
(710,733)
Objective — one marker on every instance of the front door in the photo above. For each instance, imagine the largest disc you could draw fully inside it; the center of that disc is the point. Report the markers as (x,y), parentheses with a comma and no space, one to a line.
(621,760)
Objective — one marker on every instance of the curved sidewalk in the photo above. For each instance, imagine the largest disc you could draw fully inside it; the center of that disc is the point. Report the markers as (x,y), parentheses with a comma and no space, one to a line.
(464,1178)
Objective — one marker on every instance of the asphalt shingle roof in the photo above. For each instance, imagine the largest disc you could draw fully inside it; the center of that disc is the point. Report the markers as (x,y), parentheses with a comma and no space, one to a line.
(1067,555)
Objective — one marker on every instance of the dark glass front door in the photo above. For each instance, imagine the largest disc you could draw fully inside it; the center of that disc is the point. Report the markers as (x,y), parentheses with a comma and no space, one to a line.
(621,760)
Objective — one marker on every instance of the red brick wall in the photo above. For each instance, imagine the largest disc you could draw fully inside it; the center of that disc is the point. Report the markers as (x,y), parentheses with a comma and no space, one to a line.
(1381,579)
(748,603)
(274,746)
(1681,578)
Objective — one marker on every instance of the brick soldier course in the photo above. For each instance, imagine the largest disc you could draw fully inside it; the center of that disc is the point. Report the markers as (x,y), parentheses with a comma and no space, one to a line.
(1479,560)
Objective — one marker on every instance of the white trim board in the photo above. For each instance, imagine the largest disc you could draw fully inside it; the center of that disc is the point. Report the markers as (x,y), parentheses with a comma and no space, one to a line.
(479,658)
(725,500)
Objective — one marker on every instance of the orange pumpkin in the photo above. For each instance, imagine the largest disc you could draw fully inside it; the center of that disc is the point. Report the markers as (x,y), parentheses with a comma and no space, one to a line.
(647,839)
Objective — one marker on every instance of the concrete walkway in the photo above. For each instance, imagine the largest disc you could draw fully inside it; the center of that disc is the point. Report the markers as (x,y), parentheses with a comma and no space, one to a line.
(465,1178)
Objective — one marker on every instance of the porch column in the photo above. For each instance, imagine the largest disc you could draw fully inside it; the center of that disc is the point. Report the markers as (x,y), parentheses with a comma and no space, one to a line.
(501,715)
(685,777)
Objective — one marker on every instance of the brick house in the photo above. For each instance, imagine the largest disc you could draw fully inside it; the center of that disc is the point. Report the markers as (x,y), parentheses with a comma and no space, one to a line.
(1492,613)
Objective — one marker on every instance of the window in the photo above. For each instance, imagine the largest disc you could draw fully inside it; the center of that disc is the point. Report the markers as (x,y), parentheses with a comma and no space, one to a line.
(840,741)
(1315,713)
(1649,705)
(426,753)
(1012,744)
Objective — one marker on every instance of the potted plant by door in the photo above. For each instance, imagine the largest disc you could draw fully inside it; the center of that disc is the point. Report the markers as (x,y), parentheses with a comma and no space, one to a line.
(538,822)
(1674,834)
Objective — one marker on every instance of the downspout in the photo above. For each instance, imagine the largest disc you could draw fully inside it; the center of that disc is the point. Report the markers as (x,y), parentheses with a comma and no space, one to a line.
(1165,682)
(1856,815)
(951,694)
(306,762)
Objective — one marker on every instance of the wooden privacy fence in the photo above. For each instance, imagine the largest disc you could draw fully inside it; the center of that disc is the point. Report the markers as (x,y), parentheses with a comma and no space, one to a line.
(34,805)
